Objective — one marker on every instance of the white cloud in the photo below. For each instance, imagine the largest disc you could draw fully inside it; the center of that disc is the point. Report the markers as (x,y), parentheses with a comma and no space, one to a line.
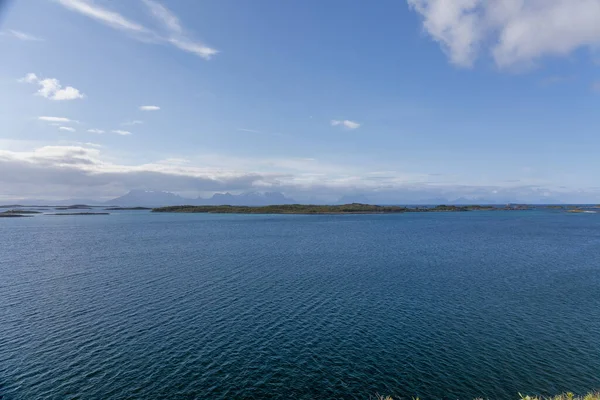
(29,78)
(345,123)
(68,93)
(248,130)
(67,128)
(51,88)
(175,35)
(95,131)
(121,132)
(55,119)
(134,122)
(149,108)
(22,36)
(514,32)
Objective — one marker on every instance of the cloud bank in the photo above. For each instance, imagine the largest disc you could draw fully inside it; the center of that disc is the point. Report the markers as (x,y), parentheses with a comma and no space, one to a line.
(83,171)
(55,171)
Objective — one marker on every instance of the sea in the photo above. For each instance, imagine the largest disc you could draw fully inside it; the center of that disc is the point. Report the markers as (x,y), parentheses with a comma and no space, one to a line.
(141,305)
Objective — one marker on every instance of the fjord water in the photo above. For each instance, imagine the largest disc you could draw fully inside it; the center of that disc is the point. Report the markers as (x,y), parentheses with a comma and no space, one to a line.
(184,306)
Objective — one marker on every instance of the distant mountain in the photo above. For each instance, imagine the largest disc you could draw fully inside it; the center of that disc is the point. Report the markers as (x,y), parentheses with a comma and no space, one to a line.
(246,199)
(150,198)
(356,198)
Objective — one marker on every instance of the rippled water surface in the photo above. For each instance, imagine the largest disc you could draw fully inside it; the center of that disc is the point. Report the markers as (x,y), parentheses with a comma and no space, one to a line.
(137,305)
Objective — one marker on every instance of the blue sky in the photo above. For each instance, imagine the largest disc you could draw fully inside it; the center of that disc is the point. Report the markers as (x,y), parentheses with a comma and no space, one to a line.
(398,100)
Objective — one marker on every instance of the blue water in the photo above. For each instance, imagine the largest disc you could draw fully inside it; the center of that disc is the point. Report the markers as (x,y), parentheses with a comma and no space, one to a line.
(137,305)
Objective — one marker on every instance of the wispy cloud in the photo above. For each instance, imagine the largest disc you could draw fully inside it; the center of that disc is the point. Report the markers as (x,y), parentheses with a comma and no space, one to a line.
(345,123)
(121,132)
(55,119)
(134,122)
(22,36)
(175,33)
(51,88)
(149,108)
(248,130)
(111,18)
(67,128)
(165,16)
(193,47)
(95,131)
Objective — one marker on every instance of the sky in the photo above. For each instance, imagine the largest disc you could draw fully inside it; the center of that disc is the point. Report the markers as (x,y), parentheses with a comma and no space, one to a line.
(400,101)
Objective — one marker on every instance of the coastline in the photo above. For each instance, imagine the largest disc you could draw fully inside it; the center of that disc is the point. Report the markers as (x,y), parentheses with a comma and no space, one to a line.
(354,208)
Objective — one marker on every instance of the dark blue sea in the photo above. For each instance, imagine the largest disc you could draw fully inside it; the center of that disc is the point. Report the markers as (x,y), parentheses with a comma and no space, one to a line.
(136,305)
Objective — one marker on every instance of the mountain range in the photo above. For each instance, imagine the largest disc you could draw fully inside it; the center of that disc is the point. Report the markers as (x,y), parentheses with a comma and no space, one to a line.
(150,198)
(157,198)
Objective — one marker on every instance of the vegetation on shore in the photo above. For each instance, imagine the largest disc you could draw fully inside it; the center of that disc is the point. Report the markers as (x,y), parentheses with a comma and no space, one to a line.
(354,208)
(564,396)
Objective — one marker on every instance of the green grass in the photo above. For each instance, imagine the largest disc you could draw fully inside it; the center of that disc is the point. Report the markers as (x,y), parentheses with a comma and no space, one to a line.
(564,396)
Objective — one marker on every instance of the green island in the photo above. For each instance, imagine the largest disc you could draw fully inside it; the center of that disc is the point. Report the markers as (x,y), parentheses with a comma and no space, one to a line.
(354,208)
(127,208)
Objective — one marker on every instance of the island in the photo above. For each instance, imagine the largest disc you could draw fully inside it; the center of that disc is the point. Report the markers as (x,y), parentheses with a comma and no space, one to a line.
(82,213)
(127,208)
(74,207)
(21,212)
(354,208)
